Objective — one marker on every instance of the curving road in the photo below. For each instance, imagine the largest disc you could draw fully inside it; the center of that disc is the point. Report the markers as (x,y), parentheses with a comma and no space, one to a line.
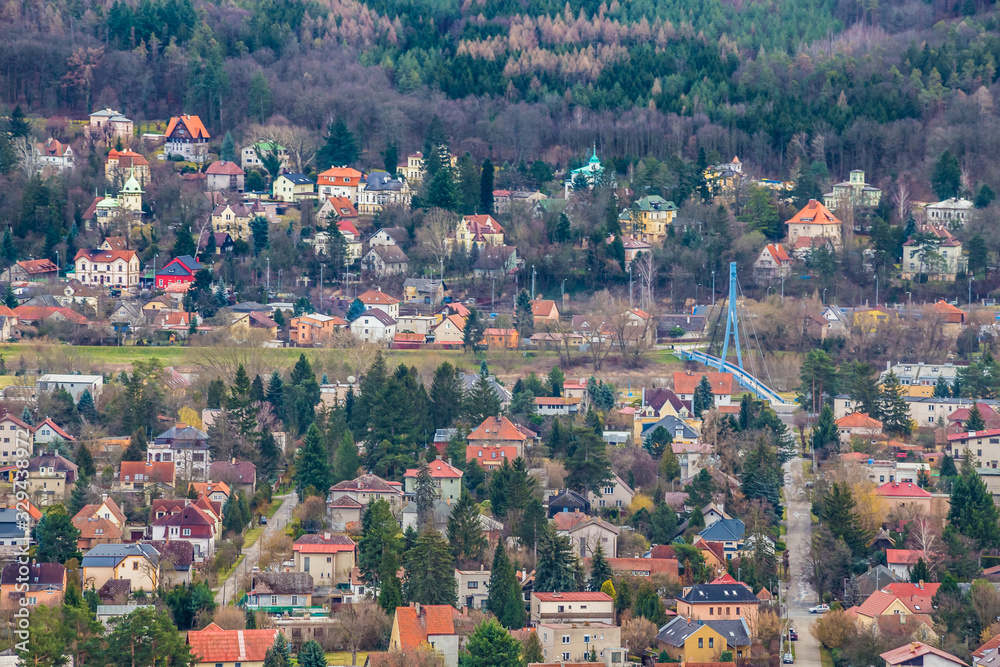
(798,593)
(276,523)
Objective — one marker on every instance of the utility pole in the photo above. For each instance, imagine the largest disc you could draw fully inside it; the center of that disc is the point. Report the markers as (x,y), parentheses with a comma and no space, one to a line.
(713,287)
(321,288)
(532,282)
(268,295)
(629,285)
(876,290)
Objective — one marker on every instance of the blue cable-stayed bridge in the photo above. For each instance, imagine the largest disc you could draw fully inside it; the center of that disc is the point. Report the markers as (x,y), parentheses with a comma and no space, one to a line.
(746,378)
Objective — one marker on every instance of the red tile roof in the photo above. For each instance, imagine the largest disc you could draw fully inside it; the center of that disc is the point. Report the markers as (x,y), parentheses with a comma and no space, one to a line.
(497,428)
(542,307)
(439,470)
(323,544)
(337,176)
(35,266)
(814,213)
(95,255)
(993,643)
(901,490)
(655,566)
(140,471)
(858,420)
(778,253)
(414,628)
(905,590)
(55,427)
(213,644)
(127,158)
(100,528)
(224,168)
(42,313)
(903,556)
(377,298)
(876,603)
(478,225)
(566,520)
(685,382)
(193,124)
(344,209)
(914,650)
(573,597)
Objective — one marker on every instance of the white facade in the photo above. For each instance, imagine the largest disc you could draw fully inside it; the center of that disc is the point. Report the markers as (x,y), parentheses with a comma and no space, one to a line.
(113,268)
(954,212)
(74,384)
(374,329)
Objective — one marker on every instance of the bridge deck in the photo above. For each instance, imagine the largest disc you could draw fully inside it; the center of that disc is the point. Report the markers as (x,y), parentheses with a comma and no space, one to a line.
(743,377)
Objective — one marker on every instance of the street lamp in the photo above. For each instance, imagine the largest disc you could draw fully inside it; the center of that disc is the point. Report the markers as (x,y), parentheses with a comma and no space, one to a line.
(876,290)
(909,300)
(713,287)
(824,296)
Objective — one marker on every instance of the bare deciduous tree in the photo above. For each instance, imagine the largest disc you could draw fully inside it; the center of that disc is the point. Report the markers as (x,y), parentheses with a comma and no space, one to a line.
(638,634)
(361,626)
(433,235)
(26,155)
(901,196)
(645,266)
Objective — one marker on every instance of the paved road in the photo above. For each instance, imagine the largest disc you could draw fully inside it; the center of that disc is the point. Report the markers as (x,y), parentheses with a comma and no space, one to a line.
(799,594)
(276,523)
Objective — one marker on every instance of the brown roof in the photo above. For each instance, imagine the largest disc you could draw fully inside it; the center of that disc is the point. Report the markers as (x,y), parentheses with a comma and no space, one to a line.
(377,298)
(99,528)
(114,589)
(685,382)
(497,428)
(365,483)
(224,168)
(180,552)
(282,583)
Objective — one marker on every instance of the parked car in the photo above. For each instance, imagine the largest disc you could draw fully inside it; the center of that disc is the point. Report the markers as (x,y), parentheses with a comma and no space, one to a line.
(793,635)
(788,659)
(819,609)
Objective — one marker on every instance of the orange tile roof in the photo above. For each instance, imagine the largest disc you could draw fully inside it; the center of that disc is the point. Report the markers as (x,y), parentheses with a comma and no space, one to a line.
(40,313)
(150,472)
(685,382)
(95,255)
(127,158)
(213,644)
(903,556)
(482,224)
(542,307)
(336,176)
(193,124)
(777,252)
(414,628)
(345,209)
(497,428)
(38,266)
(914,650)
(377,298)
(858,420)
(205,488)
(655,566)
(814,213)
(100,527)
(876,603)
(566,520)
(943,306)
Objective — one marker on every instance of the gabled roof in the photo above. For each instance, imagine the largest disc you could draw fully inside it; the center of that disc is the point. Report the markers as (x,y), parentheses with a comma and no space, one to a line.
(543,307)
(583,596)
(178,551)
(597,521)
(379,315)
(994,642)
(56,429)
(42,574)
(95,255)
(344,502)
(113,509)
(141,471)
(282,583)
(904,589)
(390,254)
(53,461)
(127,158)
(114,589)
(189,516)
(110,555)
(195,128)
(705,593)
(914,650)
(366,483)
(38,266)
(415,627)
(224,168)
(297,179)
(239,472)
(377,298)
(99,528)
(814,213)
(724,530)
(903,556)
(778,254)
(858,420)
(323,544)
(343,176)
(876,603)
(566,520)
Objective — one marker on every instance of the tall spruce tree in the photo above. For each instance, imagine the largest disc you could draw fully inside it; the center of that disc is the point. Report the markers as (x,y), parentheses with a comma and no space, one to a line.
(446,395)
(972,511)
(465,531)
(975,422)
(486,188)
(425,496)
(348,461)
(505,600)
(312,465)
(430,570)
(600,569)
(893,408)
(555,569)
(482,401)
(703,399)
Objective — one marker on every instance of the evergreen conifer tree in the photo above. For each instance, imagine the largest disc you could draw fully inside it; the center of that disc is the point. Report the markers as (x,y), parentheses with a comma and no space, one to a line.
(446,395)
(893,409)
(311,654)
(312,464)
(556,565)
(975,422)
(348,461)
(703,399)
(941,388)
(465,531)
(490,645)
(425,496)
(505,599)
(430,570)
(972,511)
(482,401)
(85,461)
(600,569)
(486,188)
(228,150)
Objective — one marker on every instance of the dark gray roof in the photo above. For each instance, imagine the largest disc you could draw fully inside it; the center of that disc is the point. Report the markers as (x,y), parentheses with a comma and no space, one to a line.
(298,179)
(702,593)
(724,530)
(391,254)
(469,381)
(380,180)
(282,583)
(422,285)
(672,424)
(568,498)
(181,435)
(9,526)
(109,555)
(690,323)
(250,307)
(676,631)
(379,315)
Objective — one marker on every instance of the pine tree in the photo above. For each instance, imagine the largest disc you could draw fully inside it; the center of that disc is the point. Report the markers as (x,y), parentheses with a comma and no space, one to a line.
(701,489)
(78,498)
(482,401)
(505,600)
(85,461)
(472,335)
(275,394)
(283,650)
(312,655)
(975,422)
(648,605)
(340,148)
(600,570)
(430,570)
(136,450)
(348,461)
(486,188)
(762,477)
(972,511)
(87,408)
(524,320)
(259,230)
(8,253)
(425,495)
(228,150)
(920,572)
(587,461)
(825,433)
(703,399)
(663,524)
(948,468)
(256,394)
(490,645)
(9,298)
(446,395)
(556,565)
(379,540)
(838,513)
(893,408)
(941,388)
(312,465)
(465,531)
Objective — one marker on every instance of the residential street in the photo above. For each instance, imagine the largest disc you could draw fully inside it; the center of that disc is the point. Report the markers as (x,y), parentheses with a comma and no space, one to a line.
(276,523)
(799,594)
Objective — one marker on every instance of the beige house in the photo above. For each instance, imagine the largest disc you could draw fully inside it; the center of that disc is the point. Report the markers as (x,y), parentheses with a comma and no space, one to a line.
(451,330)
(473,588)
(940,261)
(858,424)
(587,534)
(327,558)
(111,123)
(139,563)
(575,641)
(50,478)
(366,487)
(433,625)
(853,192)
(582,607)
(814,221)
(112,268)
(476,230)
(16,440)
(377,299)
(234,219)
(613,494)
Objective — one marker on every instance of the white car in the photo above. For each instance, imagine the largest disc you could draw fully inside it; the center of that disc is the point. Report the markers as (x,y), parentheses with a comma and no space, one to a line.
(819,609)
(789,658)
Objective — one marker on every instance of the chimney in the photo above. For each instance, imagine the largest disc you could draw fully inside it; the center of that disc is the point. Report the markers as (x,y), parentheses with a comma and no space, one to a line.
(104,497)
(416,607)
(326,536)
(181,425)
(920,584)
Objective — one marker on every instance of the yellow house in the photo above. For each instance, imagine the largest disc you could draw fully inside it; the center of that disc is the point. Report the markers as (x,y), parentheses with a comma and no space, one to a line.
(476,230)
(869,319)
(234,219)
(650,218)
(451,330)
(139,563)
(694,641)
(292,187)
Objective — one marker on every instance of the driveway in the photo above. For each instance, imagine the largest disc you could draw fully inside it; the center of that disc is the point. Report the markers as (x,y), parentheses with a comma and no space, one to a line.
(276,523)
(799,594)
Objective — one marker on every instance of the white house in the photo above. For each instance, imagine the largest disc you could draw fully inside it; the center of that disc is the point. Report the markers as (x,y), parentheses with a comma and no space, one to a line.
(114,268)
(374,326)
(46,432)
(954,212)
(74,384)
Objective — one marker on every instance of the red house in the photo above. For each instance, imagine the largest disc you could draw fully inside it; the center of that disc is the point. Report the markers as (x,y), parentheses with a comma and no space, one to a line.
(178,270)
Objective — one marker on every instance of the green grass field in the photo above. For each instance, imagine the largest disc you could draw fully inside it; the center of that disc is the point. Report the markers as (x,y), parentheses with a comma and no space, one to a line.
(344,657)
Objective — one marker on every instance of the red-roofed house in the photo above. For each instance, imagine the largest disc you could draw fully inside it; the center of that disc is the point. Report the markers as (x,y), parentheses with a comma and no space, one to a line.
(431,624)
(447,479)
(121,164)
(114,268)
(948,259)
(859,424)
(341,208)
(222,175)
(988,647)
(918,653)
(49,431)
(906,494)
(134,475)
(920,589)
(178,270)
(186,136)
(490,457)
(773,262)
(377,299)
(686,382)
(339,182)
(956,420)
(951,314)
(192,524)
(544,310)
(596,607)
(814,221)
(900,561)
(499,432)
(327,558)
(214,646)
(94,531)
(39,270)
(645,567)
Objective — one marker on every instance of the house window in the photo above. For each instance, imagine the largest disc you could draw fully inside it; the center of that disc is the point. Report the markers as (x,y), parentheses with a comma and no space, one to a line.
(274,600)
(711,611)
(135,565)
(586,639)
(701,643)
(295,599)
(711,642)
(737,611)
(561,609)
(565,656)
(565,639)
(186,532)
(473,584)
